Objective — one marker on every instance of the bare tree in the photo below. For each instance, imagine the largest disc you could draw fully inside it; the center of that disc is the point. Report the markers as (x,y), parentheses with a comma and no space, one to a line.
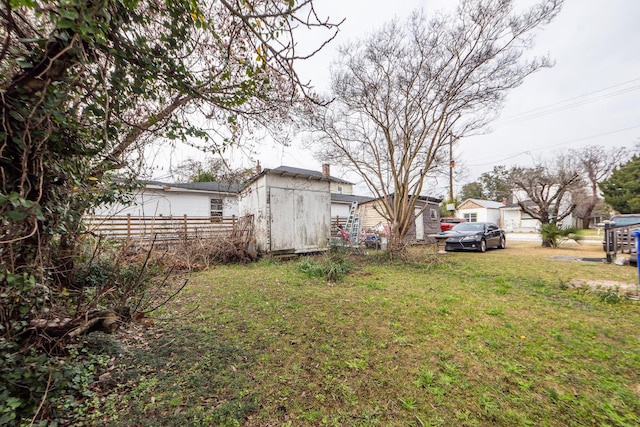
(595,163)
(545,191)
(408,91)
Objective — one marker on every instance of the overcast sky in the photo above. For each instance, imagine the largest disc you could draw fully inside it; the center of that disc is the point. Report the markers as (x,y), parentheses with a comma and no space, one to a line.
(590,97)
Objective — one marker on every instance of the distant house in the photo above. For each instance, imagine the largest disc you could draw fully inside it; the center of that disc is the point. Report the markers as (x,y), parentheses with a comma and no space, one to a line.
(477,210)
(200,199)
(291,209)
(426,221)
(514,219)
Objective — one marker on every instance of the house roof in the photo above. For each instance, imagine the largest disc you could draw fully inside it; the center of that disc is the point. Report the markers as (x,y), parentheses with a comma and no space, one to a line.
(487,204)
(421,198)
(349,198)
(516,205)
(217,186)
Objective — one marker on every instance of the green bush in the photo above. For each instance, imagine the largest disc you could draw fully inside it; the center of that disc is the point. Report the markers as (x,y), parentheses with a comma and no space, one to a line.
(332,267)
(53,390)
(553,235)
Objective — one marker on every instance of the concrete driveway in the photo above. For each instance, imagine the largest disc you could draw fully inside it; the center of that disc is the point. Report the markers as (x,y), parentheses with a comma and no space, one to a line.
(535,237)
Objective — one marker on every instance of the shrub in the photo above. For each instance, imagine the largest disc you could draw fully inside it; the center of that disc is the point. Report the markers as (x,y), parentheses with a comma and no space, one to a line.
(332,267)
(553,235)
(51,389)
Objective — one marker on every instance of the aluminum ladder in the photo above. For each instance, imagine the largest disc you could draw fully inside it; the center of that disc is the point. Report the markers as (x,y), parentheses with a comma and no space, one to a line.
(353,224)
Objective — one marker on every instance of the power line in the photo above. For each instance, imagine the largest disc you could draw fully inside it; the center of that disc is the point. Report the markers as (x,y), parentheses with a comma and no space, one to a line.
(555,145)
(570,103)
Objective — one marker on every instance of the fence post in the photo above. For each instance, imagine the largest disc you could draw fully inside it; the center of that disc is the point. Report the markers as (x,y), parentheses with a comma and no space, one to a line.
(128,228)
(185,227)
(608,242)
(637,234)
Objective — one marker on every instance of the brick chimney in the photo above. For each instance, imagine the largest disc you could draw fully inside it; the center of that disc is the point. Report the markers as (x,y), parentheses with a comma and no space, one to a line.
(258,167)
(325,170)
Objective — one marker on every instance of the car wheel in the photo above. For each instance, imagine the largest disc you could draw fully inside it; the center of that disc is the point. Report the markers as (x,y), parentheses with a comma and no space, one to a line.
(483,245)
(503,243)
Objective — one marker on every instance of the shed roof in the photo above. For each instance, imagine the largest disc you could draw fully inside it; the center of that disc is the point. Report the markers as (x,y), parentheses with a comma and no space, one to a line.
(297,172)
(420,198)
(349,198)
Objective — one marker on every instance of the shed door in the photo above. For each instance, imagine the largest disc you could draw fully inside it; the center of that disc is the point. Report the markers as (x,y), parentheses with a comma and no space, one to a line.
(281,201)
(419,225)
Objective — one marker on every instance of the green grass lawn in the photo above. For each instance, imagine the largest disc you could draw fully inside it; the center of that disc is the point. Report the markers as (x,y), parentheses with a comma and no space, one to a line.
(494,339)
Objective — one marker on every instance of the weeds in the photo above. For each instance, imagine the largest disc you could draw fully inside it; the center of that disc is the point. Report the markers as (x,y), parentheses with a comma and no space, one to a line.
(332,267)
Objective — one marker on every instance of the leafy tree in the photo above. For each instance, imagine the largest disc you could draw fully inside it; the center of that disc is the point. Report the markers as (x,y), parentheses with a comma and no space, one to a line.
(545,192)
(86,83)
(472,190)
(595,163)
(407,91)
(212,170)
(496,184)
(622,189)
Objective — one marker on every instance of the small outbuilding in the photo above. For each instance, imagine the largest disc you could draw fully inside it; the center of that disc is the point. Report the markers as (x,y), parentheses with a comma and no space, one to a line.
(291,210)
(477,210)
(426,220)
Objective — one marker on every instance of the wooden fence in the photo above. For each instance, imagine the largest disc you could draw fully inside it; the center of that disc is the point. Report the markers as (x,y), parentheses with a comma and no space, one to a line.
(173,229)
(336,222)
(169,229)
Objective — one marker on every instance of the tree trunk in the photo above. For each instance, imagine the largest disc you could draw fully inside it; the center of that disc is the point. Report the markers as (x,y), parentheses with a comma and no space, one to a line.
(396,247)
(547,243)
(107,321)
(588,210)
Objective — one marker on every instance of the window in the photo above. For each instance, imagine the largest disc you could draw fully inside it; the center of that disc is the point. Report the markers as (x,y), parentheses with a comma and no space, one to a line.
(216,210)
(471,217)
(339,189)
(433,213)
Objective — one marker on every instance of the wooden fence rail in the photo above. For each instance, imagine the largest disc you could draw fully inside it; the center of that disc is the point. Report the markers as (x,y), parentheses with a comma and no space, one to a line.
(172,229)
(161,229)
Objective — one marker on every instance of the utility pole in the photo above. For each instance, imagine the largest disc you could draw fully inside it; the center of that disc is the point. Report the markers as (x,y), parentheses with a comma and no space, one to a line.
(452,164)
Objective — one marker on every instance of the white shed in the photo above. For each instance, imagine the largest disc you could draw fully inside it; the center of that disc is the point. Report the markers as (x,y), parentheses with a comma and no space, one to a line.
(476,210)
(291,209)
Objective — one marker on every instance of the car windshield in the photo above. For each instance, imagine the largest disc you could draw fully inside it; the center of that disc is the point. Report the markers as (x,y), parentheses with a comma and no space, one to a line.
(468,226)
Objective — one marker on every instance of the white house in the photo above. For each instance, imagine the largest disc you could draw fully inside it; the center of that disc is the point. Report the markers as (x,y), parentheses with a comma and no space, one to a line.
(341,204)
(514,219)
(291,210)
(198,199)
(477,210)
